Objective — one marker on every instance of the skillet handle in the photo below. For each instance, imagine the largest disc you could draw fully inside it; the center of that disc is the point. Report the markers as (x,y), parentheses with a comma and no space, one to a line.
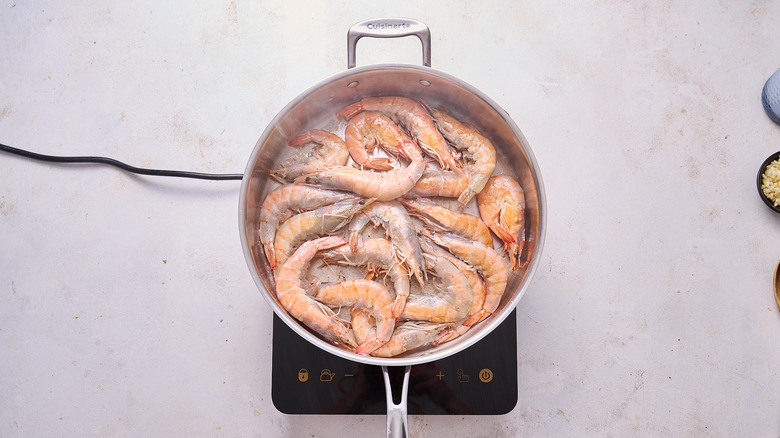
(389,28)
(397,420)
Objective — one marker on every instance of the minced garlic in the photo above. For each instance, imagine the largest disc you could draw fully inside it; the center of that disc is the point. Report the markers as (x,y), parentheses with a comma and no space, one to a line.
(770,182)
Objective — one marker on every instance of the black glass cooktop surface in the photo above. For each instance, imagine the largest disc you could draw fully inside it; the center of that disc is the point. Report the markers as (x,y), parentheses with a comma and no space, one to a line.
(480,380)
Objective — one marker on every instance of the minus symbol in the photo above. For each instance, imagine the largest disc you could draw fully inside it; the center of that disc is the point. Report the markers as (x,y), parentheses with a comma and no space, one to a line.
(349,375)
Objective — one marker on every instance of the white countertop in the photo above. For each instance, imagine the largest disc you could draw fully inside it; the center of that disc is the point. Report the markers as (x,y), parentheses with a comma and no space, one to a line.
(126,306)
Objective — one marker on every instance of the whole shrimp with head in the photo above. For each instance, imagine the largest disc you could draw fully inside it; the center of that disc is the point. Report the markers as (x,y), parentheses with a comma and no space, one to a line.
(375,254)
(414,117)
(369,129)
(384,186)
(292,291)
(443,219)
(435,182)
(287,200)
(398,226)
(314,223)
(479,151)
(329,150)
(487,261)
(502,206)
(407,335)
(449,300)
(370,296)
(475,313)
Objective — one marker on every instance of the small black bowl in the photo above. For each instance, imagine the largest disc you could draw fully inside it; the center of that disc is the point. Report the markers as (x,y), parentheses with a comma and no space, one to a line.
(761,170)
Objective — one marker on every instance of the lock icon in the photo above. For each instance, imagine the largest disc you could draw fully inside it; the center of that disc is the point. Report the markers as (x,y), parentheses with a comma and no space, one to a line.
(303,375)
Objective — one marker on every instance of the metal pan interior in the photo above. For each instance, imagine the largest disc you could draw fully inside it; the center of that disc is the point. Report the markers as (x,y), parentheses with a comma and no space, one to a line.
(317,108)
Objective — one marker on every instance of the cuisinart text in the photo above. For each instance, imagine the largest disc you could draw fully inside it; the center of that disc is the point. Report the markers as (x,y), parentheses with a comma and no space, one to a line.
(377,26)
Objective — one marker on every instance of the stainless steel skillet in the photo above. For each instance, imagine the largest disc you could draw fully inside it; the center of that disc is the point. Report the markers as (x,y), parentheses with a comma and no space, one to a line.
(317,108)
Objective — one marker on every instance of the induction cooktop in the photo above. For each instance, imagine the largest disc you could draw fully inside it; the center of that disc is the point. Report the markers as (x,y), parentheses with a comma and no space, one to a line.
(480,380)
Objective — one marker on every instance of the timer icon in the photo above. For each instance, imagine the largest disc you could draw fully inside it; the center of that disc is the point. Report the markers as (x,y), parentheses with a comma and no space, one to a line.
(485,375)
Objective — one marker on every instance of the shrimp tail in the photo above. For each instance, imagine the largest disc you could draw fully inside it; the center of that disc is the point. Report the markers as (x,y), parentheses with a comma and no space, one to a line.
(503,233)
(466,196)
(350,111)
(476,317)
(398,306)
(379,163)
(302,139)
(369,346)
(270,254)
(408,149)
(354,240)
(445,336)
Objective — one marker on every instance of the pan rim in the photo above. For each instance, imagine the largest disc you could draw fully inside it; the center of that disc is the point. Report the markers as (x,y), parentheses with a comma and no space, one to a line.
(481,329)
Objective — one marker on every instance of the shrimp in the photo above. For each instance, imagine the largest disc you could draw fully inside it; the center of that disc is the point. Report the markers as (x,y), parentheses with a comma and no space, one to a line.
(367,129)
(487,261)
(314,223)
(407,336)
(376,253)
(284,201)
(502,206)
(480,151)
(398,226)
(367,295)
(444,219)
(477,287)
(417,121)
(329,150)
(384,186)
(452,301)
(437,182)
(293,294)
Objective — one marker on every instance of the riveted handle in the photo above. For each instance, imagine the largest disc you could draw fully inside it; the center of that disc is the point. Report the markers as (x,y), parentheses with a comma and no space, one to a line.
(389,28)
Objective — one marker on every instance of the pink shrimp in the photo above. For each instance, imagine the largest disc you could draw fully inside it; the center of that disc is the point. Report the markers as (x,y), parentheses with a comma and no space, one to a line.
(487,261)
(450,300)
(398,226)
(314,223)
(285,201)
(368,129)
(417,121)
(475,312)
(373,254)
(444,219)
(407,336)
(367,295)
(384,186)
(480,152)
(329,150)
(294,295)
(502,206)
(437,182)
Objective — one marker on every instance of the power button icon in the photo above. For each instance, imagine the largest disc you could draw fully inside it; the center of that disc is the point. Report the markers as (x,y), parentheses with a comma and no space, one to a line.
(485,375)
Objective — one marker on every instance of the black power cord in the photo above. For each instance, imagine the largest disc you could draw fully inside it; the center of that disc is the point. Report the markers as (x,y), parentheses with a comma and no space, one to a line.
(121,165)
